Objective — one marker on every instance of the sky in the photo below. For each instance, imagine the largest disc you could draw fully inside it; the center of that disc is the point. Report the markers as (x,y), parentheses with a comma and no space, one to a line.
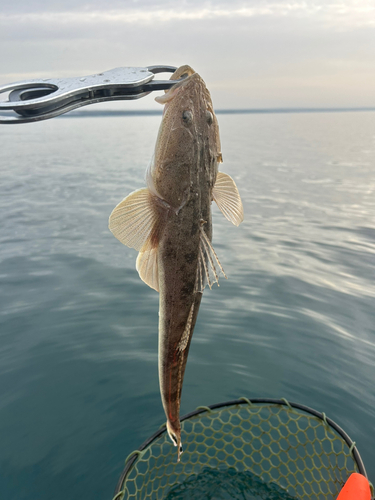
(252,54)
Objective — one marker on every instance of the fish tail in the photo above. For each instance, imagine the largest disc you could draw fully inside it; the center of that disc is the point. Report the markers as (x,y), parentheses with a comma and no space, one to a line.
(174,433)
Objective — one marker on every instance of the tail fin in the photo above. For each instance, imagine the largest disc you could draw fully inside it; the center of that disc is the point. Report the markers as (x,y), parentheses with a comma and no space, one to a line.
(175,435)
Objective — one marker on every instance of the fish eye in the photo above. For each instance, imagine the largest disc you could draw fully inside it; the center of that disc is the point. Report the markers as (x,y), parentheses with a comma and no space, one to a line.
(187,117)
(209,117)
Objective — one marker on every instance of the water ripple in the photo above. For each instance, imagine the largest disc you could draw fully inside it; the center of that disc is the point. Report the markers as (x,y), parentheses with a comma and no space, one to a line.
(78,329)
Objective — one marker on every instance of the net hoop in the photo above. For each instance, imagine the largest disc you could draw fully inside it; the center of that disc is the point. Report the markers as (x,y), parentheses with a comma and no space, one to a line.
(132,458)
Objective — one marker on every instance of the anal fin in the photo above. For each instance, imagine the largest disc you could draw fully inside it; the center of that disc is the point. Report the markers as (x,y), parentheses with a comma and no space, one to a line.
(186,334)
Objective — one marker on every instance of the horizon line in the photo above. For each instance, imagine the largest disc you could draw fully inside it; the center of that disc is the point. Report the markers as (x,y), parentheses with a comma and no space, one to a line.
(226,111)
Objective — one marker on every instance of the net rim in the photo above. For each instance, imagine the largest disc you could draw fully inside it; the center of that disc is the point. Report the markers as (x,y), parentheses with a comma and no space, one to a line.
(243,401)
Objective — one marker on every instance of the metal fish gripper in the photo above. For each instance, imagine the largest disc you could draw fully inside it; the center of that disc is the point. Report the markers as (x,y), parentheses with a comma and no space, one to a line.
(35,100)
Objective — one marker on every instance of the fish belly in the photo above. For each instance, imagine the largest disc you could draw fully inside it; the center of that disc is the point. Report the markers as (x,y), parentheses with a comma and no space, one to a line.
(179,303)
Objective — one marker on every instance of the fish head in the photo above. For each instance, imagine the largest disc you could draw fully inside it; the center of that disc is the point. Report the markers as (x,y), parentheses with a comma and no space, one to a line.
(174,432)
(188,138)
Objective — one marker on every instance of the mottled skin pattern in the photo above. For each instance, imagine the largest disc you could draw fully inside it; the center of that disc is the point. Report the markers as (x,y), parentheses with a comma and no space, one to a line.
(183,175)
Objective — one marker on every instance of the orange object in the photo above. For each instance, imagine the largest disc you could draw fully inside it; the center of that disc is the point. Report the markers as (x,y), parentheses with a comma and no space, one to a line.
(356,488)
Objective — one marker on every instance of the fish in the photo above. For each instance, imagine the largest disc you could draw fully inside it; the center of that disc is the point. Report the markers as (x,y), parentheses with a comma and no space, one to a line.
(169,223)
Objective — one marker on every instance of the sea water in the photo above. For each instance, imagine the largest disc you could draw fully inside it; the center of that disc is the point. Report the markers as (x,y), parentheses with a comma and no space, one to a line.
(229,484)
(78,328)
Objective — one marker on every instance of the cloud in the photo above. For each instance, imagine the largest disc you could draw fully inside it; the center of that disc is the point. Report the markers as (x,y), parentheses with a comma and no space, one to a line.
(252,54)
(349,13)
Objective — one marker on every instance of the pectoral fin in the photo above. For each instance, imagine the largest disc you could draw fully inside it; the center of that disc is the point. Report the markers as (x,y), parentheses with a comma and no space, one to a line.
(137,222)
(228,199)
(132,221)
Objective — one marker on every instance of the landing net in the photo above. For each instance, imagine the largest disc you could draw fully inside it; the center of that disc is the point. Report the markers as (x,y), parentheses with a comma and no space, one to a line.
(287,445)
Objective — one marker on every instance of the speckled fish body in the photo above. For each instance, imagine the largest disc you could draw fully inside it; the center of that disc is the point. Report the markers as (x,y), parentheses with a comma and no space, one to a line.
(169,222)
(186,173)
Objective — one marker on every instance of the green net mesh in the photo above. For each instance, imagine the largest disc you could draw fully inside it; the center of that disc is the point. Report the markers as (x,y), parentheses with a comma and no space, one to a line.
(283,445)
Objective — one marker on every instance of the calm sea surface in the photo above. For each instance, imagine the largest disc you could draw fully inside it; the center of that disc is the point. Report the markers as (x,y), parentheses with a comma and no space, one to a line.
(78,329)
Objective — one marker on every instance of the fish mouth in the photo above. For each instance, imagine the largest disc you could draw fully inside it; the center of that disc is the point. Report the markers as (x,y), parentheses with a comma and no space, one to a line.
(184,74)
(168,96)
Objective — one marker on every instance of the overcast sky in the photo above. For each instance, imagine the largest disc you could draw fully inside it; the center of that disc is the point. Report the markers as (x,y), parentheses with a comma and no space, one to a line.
(252,54)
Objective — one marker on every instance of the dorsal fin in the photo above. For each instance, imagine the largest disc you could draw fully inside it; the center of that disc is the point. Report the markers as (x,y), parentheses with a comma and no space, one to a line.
(209,266)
